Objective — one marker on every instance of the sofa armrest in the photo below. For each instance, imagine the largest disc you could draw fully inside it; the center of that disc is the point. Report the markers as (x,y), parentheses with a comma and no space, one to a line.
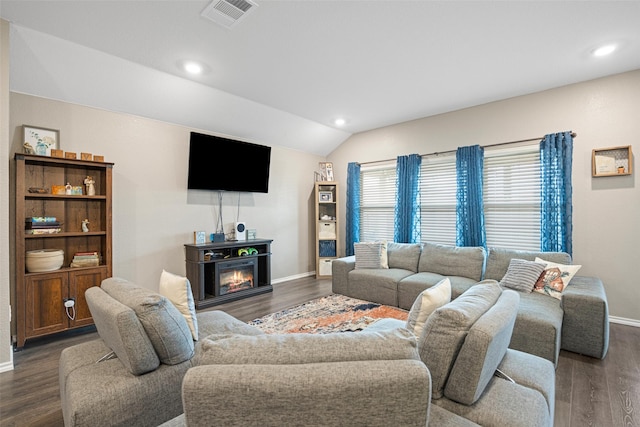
(340,269)
(585,325)
(367,392)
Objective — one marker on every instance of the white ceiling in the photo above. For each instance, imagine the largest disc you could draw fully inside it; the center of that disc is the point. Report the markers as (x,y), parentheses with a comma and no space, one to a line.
(375,63)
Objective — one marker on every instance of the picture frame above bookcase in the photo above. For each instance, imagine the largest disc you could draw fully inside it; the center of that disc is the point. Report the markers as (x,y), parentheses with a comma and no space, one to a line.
(612,161)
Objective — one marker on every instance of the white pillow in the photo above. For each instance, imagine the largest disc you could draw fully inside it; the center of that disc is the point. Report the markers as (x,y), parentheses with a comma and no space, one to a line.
(177,289)
(371,255)
(555,278)
(426,303)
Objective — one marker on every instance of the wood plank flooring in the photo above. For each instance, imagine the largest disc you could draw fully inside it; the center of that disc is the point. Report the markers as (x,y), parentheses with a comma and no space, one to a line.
(589,392)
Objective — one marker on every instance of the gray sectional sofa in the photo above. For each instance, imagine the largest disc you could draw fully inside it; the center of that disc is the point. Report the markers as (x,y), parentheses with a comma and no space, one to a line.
(234,375)
(578,322)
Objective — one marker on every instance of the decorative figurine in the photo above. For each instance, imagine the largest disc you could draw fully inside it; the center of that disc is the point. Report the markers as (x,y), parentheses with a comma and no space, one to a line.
(85,225)
(28,148)
(68,189)
(91,189)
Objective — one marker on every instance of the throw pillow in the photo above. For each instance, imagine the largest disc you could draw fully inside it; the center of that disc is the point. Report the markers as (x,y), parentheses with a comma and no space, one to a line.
(522,275)
(555,278)
(371,255)
(426,303)
(177,289)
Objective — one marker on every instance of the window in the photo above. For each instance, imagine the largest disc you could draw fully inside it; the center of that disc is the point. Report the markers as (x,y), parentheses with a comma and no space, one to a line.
(511,196)
(377,202)
(438,199)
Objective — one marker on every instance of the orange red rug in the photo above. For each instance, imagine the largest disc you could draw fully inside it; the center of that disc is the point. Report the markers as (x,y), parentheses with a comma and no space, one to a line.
(333,313)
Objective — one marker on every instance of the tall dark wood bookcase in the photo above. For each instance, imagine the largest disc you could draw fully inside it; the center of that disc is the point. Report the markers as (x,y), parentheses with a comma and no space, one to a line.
(40,297)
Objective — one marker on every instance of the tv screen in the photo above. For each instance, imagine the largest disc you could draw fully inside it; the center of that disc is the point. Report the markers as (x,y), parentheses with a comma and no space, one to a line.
(217,163)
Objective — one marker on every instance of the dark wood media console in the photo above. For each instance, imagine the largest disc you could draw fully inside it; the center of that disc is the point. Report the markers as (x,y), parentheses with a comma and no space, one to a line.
(227,271)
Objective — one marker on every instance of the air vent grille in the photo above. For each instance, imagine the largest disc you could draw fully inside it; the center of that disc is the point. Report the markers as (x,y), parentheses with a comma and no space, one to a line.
(228,12)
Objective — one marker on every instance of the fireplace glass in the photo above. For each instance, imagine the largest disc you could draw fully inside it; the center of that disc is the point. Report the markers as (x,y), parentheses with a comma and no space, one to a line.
(235,275)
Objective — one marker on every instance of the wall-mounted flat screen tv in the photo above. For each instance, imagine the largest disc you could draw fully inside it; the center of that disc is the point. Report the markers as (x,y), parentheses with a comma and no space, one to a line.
(217,163)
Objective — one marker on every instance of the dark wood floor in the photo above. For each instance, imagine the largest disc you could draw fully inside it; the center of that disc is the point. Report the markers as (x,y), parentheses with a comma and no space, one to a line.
(589,392)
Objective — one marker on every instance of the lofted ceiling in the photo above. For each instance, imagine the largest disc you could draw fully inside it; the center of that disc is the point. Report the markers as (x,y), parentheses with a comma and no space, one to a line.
(373,63)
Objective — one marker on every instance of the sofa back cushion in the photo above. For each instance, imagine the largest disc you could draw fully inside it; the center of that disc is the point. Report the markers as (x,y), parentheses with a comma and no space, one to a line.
(286,349)
(164,324)
(404,255)
(447,328)
(452,260)
(122,332)
(499,259)
(483,350)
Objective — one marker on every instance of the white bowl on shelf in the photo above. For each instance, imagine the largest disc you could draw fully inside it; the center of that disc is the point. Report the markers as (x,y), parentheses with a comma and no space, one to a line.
(44,260)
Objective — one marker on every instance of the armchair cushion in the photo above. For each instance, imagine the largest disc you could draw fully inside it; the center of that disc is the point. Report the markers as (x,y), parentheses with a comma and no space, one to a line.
(447,328)
(285,349)
(122,332)
(164,324)
(483,350)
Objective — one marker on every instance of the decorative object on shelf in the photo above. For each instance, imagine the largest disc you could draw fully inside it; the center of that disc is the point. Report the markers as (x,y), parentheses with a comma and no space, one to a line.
(252,234)
(98,158)
(85,259)
(612,161)
(86,156)
(199,237)
(44,260)
(42,225)
(326,171)
(85,225)
(38,190)
(91,189)
(57,153)
(58,189)
(69,155)
(325,196)
(40,141)
(68,189)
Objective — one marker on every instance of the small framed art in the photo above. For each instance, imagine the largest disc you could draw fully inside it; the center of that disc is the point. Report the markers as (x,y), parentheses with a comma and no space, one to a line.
(199,237)
(325,196)
(39,140)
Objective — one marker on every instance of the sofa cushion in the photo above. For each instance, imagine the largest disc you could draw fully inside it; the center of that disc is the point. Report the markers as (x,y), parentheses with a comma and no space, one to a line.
(522,275)
(164,324)
(499,259)
(538,326)
(287,349)
(404,256)
(371,254)
(452,260)
(122,332)
(447,328)
(426,303)
(178,290)
(411,286)
(376,285)
(482,350)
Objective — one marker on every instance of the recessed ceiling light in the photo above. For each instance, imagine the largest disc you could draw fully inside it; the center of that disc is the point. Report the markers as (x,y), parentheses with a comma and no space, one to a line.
(192,67)
(604,50)
(340,122)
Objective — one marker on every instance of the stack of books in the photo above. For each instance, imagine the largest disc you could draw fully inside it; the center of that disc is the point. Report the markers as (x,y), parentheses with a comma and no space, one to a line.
(85,259)
(42,225)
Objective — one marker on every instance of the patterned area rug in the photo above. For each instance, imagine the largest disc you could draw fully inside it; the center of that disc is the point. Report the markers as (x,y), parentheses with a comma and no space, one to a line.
(333,313)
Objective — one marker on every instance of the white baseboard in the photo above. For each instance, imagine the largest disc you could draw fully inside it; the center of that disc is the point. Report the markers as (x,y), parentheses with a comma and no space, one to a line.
(295,276)
(8,366)
(624,321)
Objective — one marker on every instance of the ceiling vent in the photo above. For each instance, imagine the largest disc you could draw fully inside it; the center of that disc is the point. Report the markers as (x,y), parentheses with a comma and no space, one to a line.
(228,12)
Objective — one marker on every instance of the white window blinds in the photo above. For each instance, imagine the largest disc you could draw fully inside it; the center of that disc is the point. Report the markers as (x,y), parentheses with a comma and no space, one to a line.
(377,202)
(438,199)
(511,195)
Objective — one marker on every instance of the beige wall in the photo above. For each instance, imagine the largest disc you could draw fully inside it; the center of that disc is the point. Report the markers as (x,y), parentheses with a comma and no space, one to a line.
(5,331)
(154,214)
(603,112)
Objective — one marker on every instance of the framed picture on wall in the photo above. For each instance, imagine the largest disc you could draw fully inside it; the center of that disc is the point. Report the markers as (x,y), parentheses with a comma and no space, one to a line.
(40,141)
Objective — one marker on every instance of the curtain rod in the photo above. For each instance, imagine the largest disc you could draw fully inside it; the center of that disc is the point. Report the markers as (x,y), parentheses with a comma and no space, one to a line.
(573,135)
